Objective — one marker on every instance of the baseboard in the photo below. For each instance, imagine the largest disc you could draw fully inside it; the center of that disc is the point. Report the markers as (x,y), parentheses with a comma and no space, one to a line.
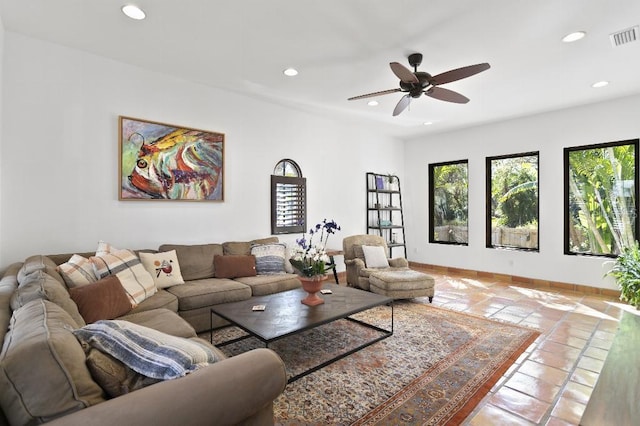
(520,281)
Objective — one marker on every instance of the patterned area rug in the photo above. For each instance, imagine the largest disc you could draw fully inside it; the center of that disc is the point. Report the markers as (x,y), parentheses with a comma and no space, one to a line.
(433,371)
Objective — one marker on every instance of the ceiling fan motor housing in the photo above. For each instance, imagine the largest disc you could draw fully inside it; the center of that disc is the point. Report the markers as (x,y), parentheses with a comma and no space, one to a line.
(415,89)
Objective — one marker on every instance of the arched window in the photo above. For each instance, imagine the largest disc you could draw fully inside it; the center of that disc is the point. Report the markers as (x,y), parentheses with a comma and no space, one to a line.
(288,198)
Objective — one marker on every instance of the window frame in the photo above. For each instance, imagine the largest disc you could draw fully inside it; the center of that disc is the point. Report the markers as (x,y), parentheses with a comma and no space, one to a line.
(567,220)
(298,181)
(432,188)
(488,211)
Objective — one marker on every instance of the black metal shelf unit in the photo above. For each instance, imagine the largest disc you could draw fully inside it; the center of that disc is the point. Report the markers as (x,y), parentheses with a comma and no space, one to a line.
(384,210)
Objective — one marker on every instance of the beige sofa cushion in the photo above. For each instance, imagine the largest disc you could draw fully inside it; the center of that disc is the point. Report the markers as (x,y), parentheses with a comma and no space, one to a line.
(40,285)
(162,320)
(162,299)
(243,248)
(39,263)
(269,284)
(196,261)
(204,293)
(59,382)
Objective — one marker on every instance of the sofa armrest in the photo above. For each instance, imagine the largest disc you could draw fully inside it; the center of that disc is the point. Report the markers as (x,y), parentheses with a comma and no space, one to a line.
(353,267)
(399,262)
(226,393)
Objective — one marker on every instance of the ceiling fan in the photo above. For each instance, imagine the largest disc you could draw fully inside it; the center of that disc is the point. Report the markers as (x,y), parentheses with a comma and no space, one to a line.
(415,83)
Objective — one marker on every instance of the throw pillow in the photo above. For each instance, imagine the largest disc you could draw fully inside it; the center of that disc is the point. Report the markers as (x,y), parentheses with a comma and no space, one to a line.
(113,376)
(270,258)
(234,266)
(77,271)
(375,257)
(105,248)
(105,299)
(163,267)
(137,282)
(147,351)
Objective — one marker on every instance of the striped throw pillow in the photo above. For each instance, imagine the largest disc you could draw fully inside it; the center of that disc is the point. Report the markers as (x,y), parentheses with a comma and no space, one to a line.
(145,350)
(125,265)
(77,271)
(270,258)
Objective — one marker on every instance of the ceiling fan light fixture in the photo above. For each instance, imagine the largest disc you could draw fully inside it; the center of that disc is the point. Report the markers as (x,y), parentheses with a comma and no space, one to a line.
(600,84)
(133,12)
(427,123)
(575,36)
(290,72)
(372,103)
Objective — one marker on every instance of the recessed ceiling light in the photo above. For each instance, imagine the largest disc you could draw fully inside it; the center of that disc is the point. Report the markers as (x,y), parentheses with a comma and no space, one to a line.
(600,84)
(372,103)
(427,123)
(133,12)
(290,72)
(569,38)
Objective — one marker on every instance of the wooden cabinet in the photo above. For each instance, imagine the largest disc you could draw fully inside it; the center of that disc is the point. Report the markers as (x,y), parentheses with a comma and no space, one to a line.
(384,211)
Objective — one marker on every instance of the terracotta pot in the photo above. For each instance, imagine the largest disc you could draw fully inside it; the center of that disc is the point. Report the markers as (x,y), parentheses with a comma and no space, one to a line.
(312,285)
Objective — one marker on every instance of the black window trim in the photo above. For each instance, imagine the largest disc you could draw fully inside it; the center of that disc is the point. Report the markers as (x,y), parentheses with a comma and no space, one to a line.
(567,222)
(432,166)
(488,228)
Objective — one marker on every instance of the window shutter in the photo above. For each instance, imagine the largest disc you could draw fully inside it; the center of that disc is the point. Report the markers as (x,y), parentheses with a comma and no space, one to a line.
(288,204)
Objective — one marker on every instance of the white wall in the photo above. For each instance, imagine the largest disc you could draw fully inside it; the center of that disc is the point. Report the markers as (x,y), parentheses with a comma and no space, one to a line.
(59,163)
(547,133)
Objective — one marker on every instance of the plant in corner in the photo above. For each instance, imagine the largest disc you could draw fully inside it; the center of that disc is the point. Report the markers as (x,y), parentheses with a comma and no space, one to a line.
(311,259)
(626,271)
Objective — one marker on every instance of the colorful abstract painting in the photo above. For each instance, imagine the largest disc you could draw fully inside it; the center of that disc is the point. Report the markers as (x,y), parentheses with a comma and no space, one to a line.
(165,162)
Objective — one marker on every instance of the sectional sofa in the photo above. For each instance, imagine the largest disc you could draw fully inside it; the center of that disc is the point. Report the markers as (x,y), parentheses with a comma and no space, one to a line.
(48,375)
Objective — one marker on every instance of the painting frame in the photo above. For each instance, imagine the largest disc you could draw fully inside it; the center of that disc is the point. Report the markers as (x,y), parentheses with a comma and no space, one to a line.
(165,162)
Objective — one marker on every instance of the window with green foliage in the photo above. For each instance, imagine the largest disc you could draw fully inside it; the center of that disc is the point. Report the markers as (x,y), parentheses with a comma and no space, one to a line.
(449,202)
(512,201)
(601,192)
(288,198)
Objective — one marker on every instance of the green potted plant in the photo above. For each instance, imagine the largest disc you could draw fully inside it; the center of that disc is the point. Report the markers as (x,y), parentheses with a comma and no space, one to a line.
(626,271)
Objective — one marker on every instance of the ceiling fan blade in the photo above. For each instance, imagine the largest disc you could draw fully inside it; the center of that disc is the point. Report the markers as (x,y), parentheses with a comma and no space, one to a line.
(458,74)
(402,104)
(446,95)
(403,73)
(371,95)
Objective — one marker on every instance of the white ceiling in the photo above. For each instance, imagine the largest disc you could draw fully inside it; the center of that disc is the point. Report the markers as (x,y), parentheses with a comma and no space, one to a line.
(342,48)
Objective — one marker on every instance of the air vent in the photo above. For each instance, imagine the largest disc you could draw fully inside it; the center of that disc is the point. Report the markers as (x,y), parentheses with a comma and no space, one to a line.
(624,37)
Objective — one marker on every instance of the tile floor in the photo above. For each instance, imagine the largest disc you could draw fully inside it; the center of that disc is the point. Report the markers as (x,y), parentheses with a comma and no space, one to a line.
(551,382)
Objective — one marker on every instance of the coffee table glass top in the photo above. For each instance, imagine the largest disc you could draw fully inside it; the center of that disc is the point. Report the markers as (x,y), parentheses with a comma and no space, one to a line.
(285,315)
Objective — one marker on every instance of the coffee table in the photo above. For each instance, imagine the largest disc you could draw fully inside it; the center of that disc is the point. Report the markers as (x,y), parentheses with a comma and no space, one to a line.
(284,316)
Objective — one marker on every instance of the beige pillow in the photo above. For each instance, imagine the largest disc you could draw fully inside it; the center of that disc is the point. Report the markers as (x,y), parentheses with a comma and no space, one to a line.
(135,279)
(77,271)
(105,248)
(375,257)
(163,267)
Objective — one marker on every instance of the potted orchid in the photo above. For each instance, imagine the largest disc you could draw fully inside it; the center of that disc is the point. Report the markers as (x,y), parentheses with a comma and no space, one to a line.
(310,258)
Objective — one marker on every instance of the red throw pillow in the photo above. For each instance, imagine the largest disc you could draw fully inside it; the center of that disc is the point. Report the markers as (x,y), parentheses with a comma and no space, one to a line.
(234,266)
(102,300)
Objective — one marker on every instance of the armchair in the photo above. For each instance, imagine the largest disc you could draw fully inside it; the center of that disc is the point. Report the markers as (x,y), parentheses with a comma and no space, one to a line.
(357,271)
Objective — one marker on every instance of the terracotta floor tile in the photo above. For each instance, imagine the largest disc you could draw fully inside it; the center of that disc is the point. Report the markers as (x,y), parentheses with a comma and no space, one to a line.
(553,360)
(543,372)
(491,415)
(568,410)
(560,349)
(599,343)
(554,421)
(577,392)
(520,404)
(585,377)
(591,364)
(596,353)
(575,342)
(531,386)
